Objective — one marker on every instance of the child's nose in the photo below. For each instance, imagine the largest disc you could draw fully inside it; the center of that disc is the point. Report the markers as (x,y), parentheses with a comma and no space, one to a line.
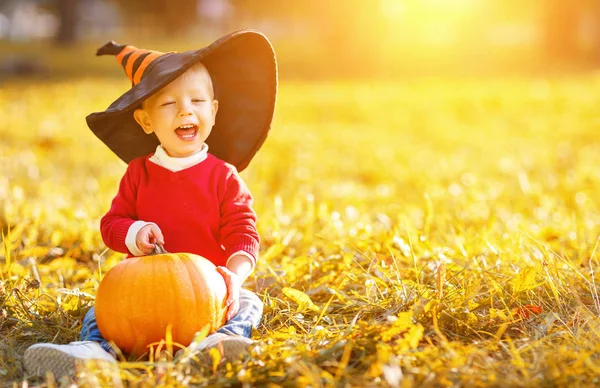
(185,109)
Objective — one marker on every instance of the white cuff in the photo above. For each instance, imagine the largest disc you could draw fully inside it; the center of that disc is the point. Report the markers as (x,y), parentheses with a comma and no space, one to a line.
(249,256)
(131,237)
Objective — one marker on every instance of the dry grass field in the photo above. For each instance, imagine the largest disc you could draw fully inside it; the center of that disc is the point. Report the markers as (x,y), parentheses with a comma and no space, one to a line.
(427,233)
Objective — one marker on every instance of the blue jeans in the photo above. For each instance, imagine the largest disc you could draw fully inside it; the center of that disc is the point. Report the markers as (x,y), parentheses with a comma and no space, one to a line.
(249,316)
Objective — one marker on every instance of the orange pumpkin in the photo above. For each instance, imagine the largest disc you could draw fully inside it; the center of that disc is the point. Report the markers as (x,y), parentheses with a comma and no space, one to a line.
(140,297)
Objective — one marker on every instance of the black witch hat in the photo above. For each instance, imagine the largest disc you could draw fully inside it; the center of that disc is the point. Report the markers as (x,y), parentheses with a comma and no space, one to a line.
(243,70)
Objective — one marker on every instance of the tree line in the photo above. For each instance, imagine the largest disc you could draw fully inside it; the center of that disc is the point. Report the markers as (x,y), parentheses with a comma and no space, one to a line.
(337,20)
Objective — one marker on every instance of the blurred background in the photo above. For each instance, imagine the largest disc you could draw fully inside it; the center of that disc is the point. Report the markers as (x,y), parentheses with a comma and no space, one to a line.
(313,38)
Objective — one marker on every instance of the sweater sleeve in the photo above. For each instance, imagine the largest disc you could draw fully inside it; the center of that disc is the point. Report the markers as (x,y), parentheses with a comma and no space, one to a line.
(122,213)
(238,219)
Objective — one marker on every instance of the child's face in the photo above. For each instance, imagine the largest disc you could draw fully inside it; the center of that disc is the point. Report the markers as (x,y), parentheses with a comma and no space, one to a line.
(182,113)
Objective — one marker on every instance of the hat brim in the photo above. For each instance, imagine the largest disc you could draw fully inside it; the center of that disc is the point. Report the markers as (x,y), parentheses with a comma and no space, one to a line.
(243,69)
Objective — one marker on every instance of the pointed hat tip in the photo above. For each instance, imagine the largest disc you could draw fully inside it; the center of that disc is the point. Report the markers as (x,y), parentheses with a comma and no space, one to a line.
(110,48)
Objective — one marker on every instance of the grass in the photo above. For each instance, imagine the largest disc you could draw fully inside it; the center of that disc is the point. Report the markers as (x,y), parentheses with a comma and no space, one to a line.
(445,231)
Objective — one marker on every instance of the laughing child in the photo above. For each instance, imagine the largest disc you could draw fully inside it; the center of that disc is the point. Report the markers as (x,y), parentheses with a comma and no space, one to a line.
(188,124)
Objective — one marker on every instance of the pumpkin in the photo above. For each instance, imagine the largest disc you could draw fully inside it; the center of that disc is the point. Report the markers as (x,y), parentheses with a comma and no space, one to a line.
(139,298)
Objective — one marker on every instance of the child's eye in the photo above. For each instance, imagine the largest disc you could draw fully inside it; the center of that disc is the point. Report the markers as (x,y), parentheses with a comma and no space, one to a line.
(167,103)
(198,100)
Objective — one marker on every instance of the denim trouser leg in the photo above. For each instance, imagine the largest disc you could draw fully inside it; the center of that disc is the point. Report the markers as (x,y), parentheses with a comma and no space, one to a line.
(249,316)
(90,331)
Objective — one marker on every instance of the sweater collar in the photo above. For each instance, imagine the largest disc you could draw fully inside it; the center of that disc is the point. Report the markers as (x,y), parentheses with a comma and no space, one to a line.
(163,159)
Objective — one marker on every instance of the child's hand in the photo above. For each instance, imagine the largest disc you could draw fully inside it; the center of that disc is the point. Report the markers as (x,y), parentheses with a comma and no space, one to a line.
(234,284)
(147,237)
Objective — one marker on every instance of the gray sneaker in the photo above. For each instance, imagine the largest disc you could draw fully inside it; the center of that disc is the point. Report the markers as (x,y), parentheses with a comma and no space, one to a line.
(61,359)
(230,346)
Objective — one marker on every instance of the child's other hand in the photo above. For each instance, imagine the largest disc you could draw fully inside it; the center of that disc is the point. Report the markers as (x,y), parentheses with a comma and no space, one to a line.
(234,284)
(147,237)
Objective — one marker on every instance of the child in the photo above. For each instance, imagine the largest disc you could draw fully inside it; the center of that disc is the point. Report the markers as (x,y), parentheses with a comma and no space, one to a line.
(174,192)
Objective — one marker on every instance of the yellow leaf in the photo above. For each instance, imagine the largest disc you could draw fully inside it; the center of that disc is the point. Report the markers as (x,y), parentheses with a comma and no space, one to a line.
(63,263)
(524,281)
(273,251)
(69,303)
(403,333)
(300,298)
(34,251)
(216,358)
(169,338)
(201,334)
(56,237)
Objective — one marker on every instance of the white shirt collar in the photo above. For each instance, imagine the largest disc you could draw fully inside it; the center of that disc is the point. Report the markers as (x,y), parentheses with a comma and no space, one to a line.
(163,159)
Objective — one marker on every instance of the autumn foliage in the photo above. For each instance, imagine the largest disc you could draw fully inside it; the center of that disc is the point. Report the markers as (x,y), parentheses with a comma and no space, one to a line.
(422,233)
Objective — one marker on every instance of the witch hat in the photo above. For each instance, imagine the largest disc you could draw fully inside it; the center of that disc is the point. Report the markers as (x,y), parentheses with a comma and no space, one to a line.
(243,70)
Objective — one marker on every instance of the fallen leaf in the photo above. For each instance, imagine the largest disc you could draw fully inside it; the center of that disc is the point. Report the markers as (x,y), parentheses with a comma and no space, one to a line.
(304,302)
(524,311)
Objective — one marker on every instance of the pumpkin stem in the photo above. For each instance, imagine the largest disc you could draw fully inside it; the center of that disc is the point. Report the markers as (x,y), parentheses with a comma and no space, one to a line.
(159,250)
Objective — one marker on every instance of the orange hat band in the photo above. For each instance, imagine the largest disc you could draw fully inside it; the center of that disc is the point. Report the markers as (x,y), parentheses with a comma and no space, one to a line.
(133,60)
(136,62)
(141,64)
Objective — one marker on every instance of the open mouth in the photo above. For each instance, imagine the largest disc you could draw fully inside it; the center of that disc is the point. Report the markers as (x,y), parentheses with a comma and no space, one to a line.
(187,131)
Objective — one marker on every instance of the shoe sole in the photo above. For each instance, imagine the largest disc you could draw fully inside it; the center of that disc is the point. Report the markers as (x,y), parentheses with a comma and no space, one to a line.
(233,349)
(228,348)
(39,361)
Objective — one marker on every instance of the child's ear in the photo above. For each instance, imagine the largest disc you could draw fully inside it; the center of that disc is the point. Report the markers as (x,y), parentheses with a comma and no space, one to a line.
(215,107)
(143,119)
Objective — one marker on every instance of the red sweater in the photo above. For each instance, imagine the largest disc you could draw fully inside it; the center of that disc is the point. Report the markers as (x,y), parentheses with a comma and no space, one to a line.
(205,209)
